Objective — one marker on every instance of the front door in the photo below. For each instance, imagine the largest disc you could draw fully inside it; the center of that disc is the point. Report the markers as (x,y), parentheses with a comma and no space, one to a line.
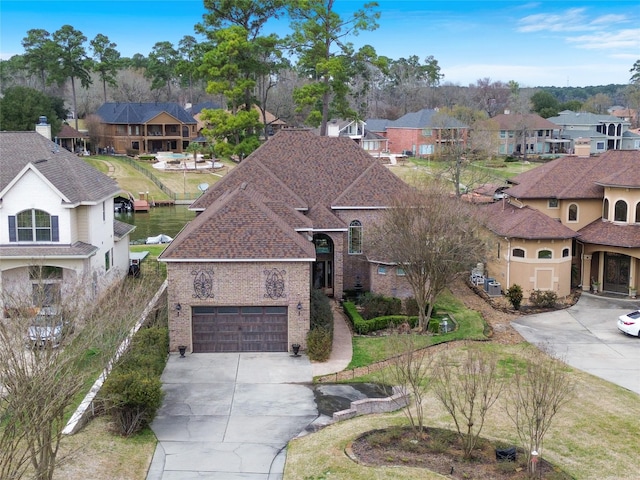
(616,272)
(323,266)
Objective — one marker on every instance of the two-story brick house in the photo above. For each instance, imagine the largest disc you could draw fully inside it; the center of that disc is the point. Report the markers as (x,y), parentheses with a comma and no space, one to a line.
(132,128)
(289,218)
(574,221)
(57,226)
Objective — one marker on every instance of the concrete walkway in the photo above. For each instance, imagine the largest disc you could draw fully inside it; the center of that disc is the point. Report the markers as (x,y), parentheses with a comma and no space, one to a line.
(586,337)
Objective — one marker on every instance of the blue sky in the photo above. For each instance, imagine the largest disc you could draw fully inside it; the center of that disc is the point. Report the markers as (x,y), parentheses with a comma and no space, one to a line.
(538,43)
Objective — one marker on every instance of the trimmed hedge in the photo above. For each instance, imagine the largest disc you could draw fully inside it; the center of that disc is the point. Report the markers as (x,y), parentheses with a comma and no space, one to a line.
(375,305)
(363,327)
(320,336)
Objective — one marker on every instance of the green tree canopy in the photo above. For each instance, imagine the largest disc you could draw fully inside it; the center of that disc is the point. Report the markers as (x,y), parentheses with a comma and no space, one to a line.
(107,61)
(545,104)
(21,107)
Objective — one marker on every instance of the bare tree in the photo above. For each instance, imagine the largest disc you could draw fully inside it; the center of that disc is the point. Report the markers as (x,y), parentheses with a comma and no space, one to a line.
(40,380)
(468,389)
(409,369)
(434,237)
(541,386)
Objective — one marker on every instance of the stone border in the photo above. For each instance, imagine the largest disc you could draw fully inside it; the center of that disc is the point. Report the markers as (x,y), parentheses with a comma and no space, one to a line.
(85,409)
(399,399)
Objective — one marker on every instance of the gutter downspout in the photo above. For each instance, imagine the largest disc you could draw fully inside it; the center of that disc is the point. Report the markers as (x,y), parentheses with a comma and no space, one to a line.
(508,262)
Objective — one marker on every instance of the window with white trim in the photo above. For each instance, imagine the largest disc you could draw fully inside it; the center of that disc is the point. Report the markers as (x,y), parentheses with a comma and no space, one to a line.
(382,269)
(400,272)
(546,254)
(33,226)
(518,252)
(573,213)
(620,211)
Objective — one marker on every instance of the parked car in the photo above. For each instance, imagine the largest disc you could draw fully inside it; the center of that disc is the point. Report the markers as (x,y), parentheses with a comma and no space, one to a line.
(630,323)
(47,328)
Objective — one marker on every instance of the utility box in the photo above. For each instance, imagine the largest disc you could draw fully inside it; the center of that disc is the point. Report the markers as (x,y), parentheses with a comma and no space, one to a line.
(494,289)
(487,281)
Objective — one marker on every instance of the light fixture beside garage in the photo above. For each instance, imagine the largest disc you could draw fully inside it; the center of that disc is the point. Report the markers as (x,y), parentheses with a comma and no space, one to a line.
(178,308)
(299,308)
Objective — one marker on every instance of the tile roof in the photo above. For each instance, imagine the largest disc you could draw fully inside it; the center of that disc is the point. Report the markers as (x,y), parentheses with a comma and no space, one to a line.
(507,220)
(138,113)
(578,177)
(239,226)
(33,252)
(608,233)
(71,175)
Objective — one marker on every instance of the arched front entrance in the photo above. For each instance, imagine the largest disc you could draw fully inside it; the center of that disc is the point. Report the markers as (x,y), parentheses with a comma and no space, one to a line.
(616,272)
(322,274)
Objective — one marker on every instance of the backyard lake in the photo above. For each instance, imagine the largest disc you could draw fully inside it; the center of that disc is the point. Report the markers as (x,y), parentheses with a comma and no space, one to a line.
(158,220)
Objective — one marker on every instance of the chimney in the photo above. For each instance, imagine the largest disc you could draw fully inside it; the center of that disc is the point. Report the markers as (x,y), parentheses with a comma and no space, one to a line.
(43,128)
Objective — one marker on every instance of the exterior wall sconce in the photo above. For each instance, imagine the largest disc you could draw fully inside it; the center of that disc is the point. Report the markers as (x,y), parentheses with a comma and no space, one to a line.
(299,307)
(178,308)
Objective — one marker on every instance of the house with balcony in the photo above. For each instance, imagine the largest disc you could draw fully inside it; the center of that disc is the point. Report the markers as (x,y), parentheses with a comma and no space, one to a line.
(527,134)
(134,128)
(572,222)
(58,234)
(591,134)
(423,133)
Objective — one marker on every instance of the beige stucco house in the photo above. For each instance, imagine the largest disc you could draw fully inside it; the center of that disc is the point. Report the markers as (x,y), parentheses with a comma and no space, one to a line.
(572,222)
(290,217)
(57,223)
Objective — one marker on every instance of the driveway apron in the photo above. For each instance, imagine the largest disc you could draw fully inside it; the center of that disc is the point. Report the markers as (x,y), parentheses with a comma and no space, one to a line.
(586,337)
(228,416)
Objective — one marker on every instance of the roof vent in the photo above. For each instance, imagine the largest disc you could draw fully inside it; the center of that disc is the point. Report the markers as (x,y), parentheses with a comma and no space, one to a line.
(42,160)
(243,186)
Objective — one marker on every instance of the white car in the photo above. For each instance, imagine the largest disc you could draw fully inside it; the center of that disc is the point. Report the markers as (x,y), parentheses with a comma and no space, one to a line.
(46,328)
(630,323)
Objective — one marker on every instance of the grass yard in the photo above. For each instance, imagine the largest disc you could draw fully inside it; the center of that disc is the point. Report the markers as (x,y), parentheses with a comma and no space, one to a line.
(594,437)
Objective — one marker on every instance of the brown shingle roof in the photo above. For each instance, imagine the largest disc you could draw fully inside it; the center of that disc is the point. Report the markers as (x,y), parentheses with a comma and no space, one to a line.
(78,249)
(609,233)
(72,176)
(507,220)
(577,177)
(239,226)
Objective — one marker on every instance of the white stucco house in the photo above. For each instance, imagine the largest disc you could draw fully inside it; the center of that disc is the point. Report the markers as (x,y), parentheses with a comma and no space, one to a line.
(57,226)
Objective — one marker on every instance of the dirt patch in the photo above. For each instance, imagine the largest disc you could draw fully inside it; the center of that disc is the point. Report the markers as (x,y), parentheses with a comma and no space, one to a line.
(440,451)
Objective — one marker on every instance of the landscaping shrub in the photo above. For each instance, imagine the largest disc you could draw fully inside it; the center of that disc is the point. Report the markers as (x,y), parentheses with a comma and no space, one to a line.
(411,307)
(362,326)
(147,158)
(132,392)
(543,298)
(514,294)
(321,315)
(319,344)
(375,305)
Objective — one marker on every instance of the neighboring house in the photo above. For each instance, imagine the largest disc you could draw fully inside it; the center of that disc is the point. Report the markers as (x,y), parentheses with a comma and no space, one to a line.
(423,133)
(289,218)
(71,139)
(527,134)
(590,133)
(57,222)
(570,222)
(357,130)
(627,114)
(133,128)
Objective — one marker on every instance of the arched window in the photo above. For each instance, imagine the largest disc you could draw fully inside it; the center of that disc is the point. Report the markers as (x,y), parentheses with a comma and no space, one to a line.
(545,254)
(573,212)
(565,252)
(518,252)
(355,237)
(638,212)
(605,209)
(620,211)
(33,226)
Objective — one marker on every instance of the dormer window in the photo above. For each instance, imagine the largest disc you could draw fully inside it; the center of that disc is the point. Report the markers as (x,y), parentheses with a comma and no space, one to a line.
(573,212)
(605,209)
(33,226)
(553,203)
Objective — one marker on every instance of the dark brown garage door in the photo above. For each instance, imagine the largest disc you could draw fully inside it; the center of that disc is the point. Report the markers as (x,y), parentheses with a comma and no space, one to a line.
(239,329)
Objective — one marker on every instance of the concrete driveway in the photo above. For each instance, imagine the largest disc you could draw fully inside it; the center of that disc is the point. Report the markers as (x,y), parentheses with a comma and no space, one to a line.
(586,337)
(230,416)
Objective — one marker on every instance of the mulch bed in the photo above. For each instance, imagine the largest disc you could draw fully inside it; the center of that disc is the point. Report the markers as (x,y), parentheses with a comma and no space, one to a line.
(440,451)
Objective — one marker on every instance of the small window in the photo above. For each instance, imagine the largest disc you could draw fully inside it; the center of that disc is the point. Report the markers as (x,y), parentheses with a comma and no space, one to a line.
(573,212)
(400,272)
(518,252)
(620,211)
(545,254)
(600,146)
(553,203)
(638,213)
(45,272)
(565,252)
(275,310)
(382,270)
(251,310)
(107,261)
(605,209)
(355,237)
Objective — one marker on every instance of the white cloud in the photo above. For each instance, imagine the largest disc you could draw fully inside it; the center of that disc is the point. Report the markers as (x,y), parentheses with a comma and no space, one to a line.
(570,20)
(619,39)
